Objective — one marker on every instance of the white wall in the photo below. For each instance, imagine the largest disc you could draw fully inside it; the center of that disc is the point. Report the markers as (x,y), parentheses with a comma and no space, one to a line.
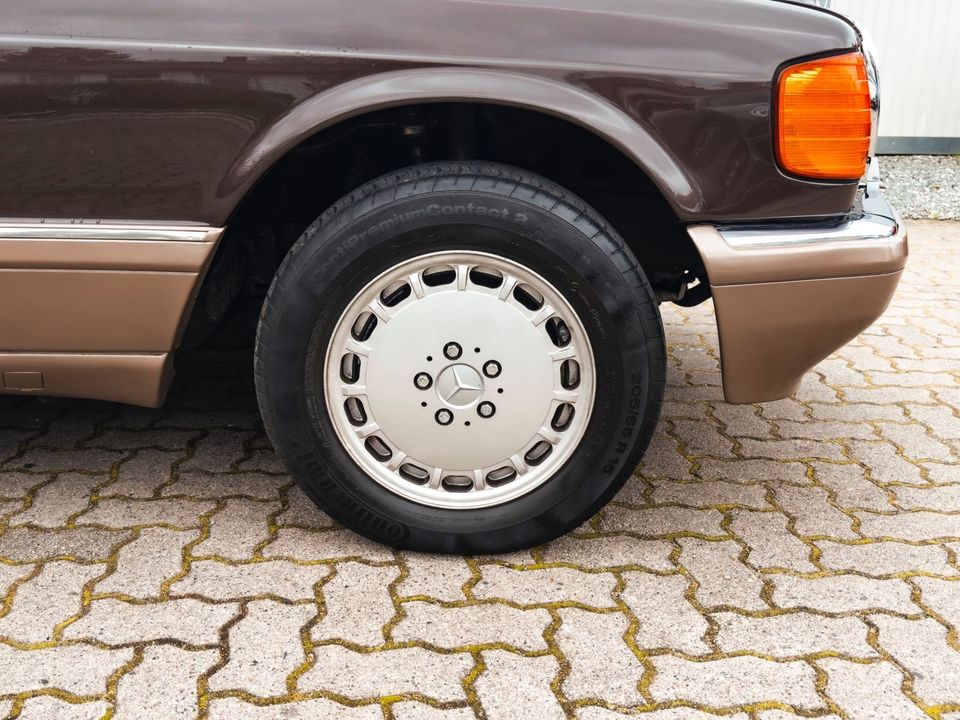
(918,45)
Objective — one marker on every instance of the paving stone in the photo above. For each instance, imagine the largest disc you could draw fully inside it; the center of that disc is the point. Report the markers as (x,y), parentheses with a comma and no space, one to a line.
(265,647)
(331,545)
(303,512)
(913,525)
(10,574)
(813,514)
(41,460)
(842,593)
(667,619)
(868,692)
(280,578)
(17,484)
(118,513)
(857,412)
(77,669)
(229,708)
(943,597)
(742,421)
(886,466)
(237,529)
(722,578)
(70,429)
(160,438)
(921,646)
(80,544)
(52,597)
(885,395)
(754,471)
(944,498)
(826,430)
(45,707)
(358,604)
(115,622)
(884,558)
(389,672)
(791,449)
(217,452)
(601,664)
(164,684)
(54,503)
(770,541)
(732,681)
(792,634)
(142,475)
(701,437)
(144,564)
(202,485)
(263,461)
(681,713)
(610,552)
(851,488)
(485,624)
(436,576)
(787,409)
(917,443)
(518,688)
(551,585)
(784,715)
(419,711)
(705,494)
(665,521)
(663,459)
(944,422)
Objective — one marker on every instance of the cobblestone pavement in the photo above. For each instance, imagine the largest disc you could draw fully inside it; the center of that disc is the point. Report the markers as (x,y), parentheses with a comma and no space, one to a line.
(797,559)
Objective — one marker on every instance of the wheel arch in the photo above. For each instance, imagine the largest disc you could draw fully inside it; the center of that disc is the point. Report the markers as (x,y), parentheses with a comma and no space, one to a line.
(451,85)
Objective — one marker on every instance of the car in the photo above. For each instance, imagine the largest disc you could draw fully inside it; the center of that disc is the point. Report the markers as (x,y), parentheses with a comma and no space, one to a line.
(455,221)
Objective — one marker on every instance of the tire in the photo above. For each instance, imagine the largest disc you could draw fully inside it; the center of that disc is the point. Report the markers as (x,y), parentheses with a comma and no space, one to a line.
(474,222)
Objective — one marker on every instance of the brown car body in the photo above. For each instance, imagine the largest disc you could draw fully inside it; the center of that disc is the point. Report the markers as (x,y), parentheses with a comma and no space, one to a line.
(132,134)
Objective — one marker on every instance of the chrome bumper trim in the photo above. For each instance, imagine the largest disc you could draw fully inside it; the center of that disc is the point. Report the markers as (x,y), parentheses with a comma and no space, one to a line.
(867,227)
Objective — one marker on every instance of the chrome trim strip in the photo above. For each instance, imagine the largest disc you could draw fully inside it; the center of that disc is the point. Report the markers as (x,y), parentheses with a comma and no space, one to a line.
(107,231)
(868,227)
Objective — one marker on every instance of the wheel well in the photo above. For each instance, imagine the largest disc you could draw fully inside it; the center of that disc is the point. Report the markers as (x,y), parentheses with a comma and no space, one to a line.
(331,163)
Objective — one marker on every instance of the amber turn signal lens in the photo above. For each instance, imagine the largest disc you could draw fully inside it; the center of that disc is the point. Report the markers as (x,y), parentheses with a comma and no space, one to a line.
(824,118)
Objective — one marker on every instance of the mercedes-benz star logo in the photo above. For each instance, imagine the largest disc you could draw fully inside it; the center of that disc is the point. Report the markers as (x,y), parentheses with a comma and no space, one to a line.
(460,386)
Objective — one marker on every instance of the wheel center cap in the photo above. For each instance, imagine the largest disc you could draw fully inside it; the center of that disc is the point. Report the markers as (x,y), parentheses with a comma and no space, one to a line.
(459,386)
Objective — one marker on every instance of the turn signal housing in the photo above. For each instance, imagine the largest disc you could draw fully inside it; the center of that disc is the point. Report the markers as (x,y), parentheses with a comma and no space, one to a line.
(824,118)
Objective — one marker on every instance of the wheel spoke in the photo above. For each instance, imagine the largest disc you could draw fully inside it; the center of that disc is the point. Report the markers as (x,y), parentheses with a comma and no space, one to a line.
(542,315)
(354,390)
(506,290)
(463,275)
(519,464)
(380,310)
(416,284)
(435,477)
(358,348)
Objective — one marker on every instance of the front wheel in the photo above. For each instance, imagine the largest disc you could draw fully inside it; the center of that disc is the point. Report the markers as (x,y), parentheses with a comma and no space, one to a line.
(460,357)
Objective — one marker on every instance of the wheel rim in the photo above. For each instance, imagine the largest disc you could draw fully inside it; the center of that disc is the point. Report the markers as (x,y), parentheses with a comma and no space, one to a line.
(459,380)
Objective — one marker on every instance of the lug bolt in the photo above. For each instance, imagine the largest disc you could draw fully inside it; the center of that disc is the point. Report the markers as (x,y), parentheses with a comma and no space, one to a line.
(492,369)
(452,350)
(423,381)
(444,417)
(486,409)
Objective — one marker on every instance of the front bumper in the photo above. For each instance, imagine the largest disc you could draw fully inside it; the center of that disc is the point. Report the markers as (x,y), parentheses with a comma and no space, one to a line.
(786,297)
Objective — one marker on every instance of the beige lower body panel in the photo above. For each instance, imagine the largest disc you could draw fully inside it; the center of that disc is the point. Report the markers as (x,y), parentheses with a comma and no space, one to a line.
(96,311)
(771,334)
(132,379)
(783,307)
